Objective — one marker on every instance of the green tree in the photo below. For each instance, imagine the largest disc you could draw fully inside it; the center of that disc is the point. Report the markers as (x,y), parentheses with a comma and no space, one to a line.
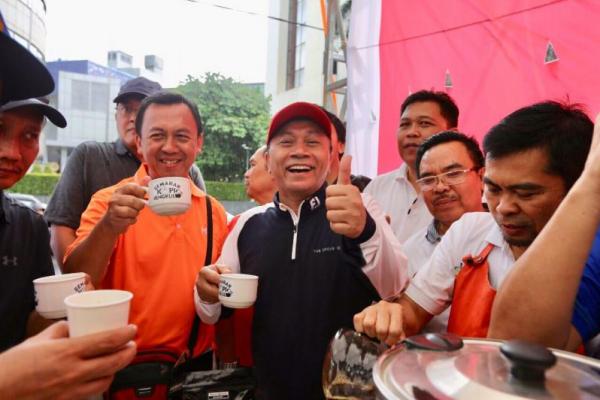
(234,115)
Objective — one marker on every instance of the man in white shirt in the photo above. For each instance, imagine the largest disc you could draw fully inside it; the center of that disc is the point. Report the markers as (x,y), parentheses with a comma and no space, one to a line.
(533,157)
(423,114)
(450,170)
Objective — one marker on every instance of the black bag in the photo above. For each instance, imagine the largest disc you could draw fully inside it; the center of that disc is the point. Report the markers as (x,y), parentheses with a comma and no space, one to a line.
(225,384)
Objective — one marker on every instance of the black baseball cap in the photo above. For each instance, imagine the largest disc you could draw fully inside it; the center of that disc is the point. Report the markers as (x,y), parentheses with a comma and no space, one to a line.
(137,86)
(22,75)
(47,110)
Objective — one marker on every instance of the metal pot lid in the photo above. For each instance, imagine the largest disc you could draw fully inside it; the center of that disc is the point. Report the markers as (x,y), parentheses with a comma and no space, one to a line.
(435,366)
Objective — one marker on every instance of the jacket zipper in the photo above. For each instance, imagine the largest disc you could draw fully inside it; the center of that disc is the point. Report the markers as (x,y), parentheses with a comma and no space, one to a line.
(295,221)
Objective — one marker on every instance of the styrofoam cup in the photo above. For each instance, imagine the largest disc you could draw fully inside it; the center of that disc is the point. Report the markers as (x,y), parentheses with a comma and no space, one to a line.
(238,290)
(97,311)
(50,293)
(170,195)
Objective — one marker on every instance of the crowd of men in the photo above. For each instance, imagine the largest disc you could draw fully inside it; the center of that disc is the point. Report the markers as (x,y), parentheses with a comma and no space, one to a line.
(500,243)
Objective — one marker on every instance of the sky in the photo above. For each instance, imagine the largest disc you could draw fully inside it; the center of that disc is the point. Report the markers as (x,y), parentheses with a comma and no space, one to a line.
(192,37)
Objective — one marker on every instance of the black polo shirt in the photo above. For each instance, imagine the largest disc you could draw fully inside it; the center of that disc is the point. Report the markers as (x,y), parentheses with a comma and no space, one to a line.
(24,256)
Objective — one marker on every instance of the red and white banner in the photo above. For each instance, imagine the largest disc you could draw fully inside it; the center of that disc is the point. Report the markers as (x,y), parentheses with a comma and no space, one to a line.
(492,57)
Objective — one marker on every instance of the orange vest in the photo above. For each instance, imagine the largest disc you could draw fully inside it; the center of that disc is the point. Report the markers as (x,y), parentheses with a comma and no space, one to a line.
(473,298)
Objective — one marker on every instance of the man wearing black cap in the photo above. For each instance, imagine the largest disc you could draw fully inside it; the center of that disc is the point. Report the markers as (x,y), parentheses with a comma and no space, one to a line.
(329,251)
(93,166)
(35,368)
(20,125)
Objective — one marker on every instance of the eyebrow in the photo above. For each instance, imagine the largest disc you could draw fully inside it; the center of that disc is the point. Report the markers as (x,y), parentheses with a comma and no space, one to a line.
(518,186)
(447,168)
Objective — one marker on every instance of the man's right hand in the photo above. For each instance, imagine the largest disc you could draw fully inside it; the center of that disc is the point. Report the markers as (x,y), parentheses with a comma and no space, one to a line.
(124,207)
(51,365)
(382,321)
(207,282)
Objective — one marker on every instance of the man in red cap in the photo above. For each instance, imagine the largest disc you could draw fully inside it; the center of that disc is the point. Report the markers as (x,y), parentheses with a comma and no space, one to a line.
(329,252)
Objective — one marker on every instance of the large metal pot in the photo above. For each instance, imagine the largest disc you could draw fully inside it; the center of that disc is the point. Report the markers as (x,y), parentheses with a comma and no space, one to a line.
(434,366)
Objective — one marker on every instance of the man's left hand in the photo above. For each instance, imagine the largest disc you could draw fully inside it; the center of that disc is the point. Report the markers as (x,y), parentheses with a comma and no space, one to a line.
(345,210)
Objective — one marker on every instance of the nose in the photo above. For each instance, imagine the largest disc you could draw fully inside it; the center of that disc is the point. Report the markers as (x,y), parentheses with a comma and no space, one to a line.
(9,148)
(440,185)
(413,130)
(299,150)
(169,145)
(507,205)
(247,174)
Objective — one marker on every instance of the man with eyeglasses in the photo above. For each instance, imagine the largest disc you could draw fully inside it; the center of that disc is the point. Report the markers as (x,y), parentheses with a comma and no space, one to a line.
(449,171)
(93,166)
(533,157)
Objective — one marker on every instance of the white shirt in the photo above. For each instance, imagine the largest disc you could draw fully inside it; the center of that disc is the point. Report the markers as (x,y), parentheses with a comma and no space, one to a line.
(432,287)
(419,248)
(398,199)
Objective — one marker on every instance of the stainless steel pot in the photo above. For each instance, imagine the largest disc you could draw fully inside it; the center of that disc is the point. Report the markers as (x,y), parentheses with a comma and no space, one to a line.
(435,366)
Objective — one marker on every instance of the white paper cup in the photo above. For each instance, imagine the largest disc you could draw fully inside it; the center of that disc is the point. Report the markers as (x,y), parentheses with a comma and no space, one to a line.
(97,311)
(169,196)
(238,290)
(50,293)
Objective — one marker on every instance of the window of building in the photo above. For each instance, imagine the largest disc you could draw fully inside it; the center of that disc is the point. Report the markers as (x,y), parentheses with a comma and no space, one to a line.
(296,54)
(80,95)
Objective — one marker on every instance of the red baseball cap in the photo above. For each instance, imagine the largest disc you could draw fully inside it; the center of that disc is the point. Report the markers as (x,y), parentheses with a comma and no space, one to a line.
(299,110)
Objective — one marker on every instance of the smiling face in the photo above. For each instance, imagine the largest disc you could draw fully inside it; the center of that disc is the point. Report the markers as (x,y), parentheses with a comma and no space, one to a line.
(298,159)
(169,140)
(447,203)
(19,143)
(419,121)
(521,195)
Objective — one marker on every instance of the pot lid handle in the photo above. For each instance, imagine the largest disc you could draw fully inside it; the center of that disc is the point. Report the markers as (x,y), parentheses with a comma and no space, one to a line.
(434,342)
(529,361)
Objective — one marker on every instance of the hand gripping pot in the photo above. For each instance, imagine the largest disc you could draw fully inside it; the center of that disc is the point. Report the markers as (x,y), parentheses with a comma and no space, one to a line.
(444,366)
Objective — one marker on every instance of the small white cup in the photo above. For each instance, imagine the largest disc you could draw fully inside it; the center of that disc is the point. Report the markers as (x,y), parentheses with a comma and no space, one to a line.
(97,311)
(50,293)
(238,290)
(170,195)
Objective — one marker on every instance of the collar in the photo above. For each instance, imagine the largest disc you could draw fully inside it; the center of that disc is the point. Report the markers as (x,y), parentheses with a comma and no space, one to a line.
(4,208)
(141,173)
(494,236)
(310,204)
(401,174)
(122,150)
(432,234)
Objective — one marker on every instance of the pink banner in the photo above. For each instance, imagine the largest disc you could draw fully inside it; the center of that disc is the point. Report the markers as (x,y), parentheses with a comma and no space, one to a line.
(493,55)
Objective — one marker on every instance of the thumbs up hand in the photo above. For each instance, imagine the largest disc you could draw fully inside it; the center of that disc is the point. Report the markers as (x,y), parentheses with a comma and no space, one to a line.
(345,210)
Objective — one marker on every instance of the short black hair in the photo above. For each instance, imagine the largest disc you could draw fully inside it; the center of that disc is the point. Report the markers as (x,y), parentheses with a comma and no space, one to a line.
(167,98)
(451,136)
(338,124)
(563,130)
(448,107)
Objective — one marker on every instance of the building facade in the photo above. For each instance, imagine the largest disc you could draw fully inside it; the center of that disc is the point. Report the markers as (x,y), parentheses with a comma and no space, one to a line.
(84,93)
(26,20)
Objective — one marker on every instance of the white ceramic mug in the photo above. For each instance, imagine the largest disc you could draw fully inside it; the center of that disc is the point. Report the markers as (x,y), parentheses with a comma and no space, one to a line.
(238,290)
(50,293)
(97,311)
(170,195)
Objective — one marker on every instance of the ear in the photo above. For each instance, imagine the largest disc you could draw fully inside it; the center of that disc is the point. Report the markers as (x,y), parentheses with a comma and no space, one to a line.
(200,143)
(341,148)
(138,143)
(268,160)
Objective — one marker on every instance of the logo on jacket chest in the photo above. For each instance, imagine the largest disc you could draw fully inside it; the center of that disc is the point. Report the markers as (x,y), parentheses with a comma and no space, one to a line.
(327,249)
(9,261)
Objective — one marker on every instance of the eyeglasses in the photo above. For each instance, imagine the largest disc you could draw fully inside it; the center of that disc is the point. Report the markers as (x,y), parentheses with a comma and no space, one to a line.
(126,109)
(450,178)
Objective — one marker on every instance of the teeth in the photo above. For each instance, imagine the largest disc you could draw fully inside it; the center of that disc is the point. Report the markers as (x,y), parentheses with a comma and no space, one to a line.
(170,162)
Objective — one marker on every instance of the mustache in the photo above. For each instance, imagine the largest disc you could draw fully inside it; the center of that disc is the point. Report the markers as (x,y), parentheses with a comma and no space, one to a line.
(444,197)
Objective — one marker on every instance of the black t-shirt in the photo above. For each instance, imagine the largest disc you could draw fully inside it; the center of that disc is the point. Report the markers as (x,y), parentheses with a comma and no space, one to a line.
(24,256)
